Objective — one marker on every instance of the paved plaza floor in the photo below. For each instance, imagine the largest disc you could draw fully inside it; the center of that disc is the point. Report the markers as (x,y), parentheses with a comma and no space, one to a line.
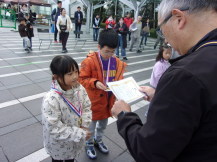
(25,78)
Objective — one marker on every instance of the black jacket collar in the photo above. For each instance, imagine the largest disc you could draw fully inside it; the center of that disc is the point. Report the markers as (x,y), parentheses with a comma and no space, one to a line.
(208,37)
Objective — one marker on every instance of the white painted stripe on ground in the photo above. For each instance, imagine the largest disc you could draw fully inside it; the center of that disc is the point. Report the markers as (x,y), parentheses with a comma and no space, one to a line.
(8,103)
(37,156)
(33,97)
(77,53)
(46,69)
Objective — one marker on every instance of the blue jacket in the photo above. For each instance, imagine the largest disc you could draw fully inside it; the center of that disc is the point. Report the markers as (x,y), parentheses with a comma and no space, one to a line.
(55,13)
(76,17)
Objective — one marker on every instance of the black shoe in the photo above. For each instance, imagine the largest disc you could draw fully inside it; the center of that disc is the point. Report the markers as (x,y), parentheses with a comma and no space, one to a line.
(63,51)
(154,47)
(130,50)
(66,50)
(125,58)
(138,51)
(31,49)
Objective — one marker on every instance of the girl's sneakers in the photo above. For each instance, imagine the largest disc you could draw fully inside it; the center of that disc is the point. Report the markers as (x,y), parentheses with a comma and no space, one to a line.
(91,153)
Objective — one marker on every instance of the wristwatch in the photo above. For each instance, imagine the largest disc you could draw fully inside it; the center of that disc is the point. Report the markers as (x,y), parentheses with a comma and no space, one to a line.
(121,114)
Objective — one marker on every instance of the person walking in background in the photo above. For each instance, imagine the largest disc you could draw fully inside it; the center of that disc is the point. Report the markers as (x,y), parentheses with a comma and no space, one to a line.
(128,21)
(96,71)
(22,28)
(54,16)
(160,39)
(64,26)
(145,33)
(66,113)
(30,31)
(23,11)
(78,21)
(135,29)
(122,30)
(96,27)
(110,23)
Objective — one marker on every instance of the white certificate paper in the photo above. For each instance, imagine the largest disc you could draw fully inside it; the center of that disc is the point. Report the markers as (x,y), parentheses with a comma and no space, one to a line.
(126,89)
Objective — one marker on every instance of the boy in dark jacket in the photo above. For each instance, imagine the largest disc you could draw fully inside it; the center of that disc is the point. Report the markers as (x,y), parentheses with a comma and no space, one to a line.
(24,34)
(30,31)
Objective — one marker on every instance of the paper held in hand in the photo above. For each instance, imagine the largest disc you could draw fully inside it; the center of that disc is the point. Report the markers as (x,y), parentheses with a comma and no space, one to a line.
(126,89)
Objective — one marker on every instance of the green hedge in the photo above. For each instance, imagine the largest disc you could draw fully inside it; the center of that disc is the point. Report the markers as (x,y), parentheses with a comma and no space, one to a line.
(102,25)
(153,33)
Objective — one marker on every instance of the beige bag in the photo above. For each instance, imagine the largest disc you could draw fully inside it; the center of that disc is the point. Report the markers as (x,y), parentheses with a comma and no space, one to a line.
(146,29)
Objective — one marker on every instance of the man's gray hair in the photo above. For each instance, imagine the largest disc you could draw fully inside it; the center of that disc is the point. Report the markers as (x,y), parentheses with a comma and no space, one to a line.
(166,6)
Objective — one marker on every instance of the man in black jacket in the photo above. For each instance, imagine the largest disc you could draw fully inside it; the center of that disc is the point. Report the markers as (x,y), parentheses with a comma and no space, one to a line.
(182,120)
(54,16)
(78,21)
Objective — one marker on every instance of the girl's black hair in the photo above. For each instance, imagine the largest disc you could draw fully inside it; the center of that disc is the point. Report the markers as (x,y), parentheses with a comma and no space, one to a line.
(61,10)
(161,50)
(63,64)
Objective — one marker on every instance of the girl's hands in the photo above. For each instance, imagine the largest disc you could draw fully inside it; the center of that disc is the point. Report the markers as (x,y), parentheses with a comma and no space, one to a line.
(100,85)
(88,135)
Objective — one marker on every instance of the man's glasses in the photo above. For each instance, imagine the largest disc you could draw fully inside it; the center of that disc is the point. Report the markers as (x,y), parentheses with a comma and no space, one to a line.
(159,31)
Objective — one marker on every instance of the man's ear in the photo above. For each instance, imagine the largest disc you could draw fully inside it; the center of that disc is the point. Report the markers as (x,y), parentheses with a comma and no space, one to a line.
(180,18)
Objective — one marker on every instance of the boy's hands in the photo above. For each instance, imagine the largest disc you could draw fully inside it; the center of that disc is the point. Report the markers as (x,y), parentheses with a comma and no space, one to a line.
(100,85)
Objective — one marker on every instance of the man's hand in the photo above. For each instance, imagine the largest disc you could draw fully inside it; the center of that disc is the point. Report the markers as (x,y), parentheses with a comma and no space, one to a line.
(149,91)
(100,85)
(120,106)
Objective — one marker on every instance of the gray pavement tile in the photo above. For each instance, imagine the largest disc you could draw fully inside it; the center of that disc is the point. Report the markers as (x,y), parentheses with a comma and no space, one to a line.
(5,96)
(18,125)
(34,106)
(125,157)
(18,61)
(1,84)
(22,142)
(14,80)
(45,84)
(26,68)
(3,157)
(38,117)
(43,65)
(26,90)
(112,133)
(3,63)
(18,85)
(38,75)
(115,151)
(7,70)
(12,114)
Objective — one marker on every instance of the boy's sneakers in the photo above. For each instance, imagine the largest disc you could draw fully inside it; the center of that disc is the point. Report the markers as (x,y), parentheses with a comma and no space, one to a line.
(125,58)
(101,146)
(91,153)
